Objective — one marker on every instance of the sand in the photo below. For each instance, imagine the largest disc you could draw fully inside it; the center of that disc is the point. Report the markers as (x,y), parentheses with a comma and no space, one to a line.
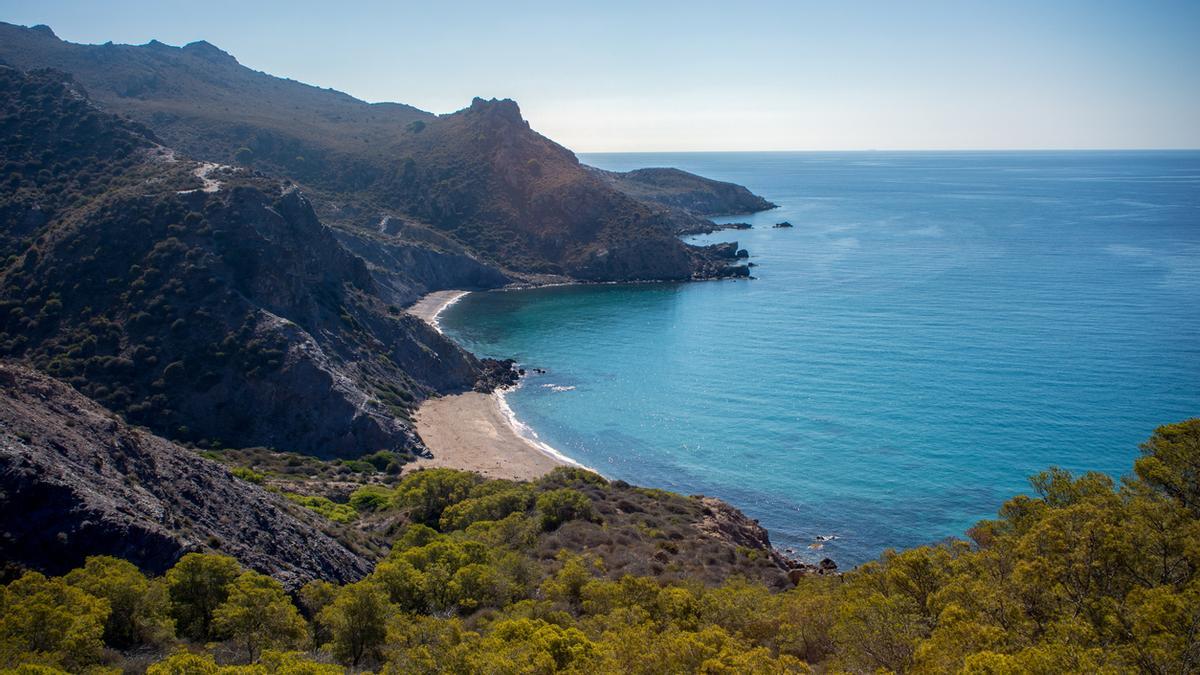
(471,431)
(431,305)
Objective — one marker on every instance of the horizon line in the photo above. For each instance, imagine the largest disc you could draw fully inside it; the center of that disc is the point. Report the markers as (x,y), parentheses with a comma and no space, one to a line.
(880,150)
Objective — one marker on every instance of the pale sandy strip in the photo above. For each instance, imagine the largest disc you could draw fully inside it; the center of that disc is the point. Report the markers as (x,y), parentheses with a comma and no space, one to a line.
(432,304)
(470,431)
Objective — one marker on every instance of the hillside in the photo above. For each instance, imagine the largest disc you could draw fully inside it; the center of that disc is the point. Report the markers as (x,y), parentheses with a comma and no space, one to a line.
(1081,576)
(75,480)
(477,185)
(207,303)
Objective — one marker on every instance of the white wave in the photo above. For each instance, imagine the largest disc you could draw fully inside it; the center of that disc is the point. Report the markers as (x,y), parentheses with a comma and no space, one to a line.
(433,320)
(528,434)
(559,387)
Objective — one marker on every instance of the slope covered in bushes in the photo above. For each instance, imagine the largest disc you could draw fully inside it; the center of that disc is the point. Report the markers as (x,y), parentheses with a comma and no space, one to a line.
(1086,575)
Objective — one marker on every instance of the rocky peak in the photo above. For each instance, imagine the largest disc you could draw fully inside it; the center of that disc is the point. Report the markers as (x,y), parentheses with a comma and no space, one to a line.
(209,52)
(498,109)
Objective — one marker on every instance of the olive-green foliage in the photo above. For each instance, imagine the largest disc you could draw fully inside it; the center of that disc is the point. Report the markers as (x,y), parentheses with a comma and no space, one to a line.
(371,498)
(326,507)
(425,494)
(493,500)
(198,584)
(1085,575)
(259,615)
(357,622)
(270,663)
(49,622)
(248,474)
(141,611)
(558,506)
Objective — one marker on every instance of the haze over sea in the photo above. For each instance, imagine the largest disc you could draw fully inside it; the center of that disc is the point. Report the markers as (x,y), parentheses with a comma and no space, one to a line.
(934,329)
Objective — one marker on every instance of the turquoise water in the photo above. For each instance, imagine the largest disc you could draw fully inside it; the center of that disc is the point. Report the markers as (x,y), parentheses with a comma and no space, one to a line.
(936,327)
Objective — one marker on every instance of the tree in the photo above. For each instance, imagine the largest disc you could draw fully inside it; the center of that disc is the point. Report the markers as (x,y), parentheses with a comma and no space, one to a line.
(1170,462)
(141,609)
(315,596)
(357,622)
(47,621)
(258,615)
(198,584)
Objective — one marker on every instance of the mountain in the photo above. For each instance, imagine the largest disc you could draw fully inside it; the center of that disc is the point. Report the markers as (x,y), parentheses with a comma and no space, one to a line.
(76,480)
(207,303)
(477,188)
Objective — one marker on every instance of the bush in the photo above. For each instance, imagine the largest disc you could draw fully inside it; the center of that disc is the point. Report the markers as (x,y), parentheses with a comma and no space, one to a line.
(559,506)
(371,498)
(425,494)
(338,513)
(249,475)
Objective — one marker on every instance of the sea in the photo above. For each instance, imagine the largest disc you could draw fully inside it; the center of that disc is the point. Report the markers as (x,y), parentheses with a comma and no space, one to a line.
(935,328)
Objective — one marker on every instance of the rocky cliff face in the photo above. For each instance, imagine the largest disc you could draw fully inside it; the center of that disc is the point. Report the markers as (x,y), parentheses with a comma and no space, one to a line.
(480,178)
(206,303)
(75,481)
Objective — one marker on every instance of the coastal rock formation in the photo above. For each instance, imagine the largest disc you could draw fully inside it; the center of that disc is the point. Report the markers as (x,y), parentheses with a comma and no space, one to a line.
(77,481)
(695,195)
(782,225)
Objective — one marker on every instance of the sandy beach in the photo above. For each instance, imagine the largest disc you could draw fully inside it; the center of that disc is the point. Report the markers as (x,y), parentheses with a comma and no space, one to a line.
(431,305)
(471,431)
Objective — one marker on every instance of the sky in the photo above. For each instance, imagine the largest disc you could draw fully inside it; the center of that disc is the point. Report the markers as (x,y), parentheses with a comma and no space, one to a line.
(731,75)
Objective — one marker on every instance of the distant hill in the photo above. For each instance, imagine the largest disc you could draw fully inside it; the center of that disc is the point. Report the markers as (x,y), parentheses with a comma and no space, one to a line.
(477,185)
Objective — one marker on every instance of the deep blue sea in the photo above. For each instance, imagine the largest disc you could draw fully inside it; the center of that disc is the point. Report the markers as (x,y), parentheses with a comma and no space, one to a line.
(934,329)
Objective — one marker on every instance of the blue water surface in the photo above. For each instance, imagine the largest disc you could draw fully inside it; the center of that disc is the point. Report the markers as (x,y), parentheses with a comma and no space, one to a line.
(934,329)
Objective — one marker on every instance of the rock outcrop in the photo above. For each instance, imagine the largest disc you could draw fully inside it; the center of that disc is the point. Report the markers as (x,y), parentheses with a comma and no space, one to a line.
(688,192)
(75,481)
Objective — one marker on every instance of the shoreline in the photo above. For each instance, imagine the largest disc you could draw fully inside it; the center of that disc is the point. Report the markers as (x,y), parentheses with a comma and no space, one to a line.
(430,306)
(474,431)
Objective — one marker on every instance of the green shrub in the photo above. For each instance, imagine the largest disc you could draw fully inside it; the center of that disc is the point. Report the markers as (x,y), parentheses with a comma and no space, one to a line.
(371,498)
(338,513)
(425,494)
(249,475)
(559,506)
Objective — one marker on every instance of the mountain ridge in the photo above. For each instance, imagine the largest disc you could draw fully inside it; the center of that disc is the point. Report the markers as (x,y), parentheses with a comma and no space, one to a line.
(479,177)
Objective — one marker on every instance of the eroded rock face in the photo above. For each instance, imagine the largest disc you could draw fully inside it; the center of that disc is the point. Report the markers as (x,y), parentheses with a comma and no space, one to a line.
(77,481)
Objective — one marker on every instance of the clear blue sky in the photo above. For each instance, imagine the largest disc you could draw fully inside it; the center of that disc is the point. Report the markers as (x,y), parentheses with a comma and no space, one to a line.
(740,75)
